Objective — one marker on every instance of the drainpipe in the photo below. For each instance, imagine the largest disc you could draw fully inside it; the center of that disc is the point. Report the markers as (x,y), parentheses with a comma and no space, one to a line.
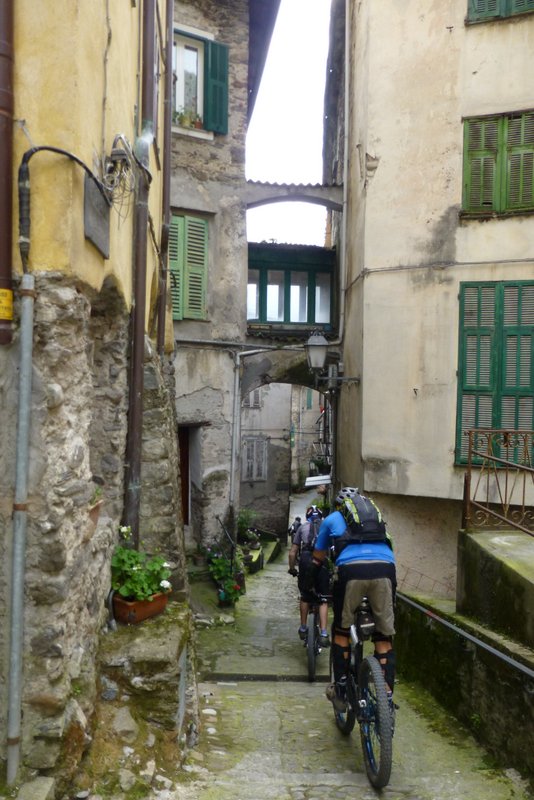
(166,194)
(6,169)
(344,224)
(20,517)
(343,264)
(20,504)
(132,500)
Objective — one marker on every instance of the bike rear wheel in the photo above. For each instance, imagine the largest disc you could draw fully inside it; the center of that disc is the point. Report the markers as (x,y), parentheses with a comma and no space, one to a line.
(312,645)
(376,724)
(345,720)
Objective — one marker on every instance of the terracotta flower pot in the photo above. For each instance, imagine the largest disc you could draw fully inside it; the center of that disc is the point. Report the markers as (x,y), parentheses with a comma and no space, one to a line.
(130,612)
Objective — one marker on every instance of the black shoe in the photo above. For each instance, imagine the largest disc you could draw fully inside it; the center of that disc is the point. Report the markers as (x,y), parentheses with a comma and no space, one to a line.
(337,694)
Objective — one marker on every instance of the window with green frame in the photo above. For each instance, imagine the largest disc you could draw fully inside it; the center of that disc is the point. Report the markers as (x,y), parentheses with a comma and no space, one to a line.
(490,9)
(499,163)
(188,265)
(496,359)
(290,285)
(200,73)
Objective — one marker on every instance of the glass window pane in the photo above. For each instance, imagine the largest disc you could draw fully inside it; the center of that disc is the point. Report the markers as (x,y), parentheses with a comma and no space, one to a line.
(322,297)
(299,297)
(188,67)
(253,294)
(275,295)
(191,79)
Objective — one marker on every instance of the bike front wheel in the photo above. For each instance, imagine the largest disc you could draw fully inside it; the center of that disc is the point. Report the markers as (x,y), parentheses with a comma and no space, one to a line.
(376,723)
(312,646)
(345,720)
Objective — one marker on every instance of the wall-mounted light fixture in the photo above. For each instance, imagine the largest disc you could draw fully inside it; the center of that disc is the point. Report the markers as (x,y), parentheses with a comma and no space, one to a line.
(317,352)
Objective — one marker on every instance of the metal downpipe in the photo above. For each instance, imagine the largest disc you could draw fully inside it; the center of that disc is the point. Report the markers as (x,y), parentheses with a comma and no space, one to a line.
(132,499)
(166,192)
(20,516)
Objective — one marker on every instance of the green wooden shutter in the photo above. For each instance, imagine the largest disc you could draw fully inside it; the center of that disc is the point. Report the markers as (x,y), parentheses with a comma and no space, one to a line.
(519,6)
(481,176)
(520,161)
(483,9)
(176,265)
(477,362)
(195,267)
(517,399)
(216,88)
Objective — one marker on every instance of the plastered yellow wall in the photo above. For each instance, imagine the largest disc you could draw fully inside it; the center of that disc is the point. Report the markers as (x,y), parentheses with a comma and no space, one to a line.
(76,86)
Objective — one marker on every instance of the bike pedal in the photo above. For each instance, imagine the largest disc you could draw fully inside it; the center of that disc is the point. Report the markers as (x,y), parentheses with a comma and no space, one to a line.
(362,703)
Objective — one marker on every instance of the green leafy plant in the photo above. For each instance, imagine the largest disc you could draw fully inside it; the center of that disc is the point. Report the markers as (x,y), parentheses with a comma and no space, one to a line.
(224,572)
(245,518)
(134,574)
(96,496)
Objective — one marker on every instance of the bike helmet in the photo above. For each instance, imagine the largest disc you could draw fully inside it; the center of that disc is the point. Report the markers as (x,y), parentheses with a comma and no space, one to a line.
(347,493)
(312,512)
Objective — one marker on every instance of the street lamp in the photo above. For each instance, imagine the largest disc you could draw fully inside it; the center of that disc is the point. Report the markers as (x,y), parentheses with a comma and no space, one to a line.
(316,352)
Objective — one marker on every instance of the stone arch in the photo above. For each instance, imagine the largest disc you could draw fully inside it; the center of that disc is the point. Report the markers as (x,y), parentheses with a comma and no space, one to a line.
(259,194)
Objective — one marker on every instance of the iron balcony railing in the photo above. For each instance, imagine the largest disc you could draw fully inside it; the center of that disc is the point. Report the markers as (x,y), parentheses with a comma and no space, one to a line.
(499,482)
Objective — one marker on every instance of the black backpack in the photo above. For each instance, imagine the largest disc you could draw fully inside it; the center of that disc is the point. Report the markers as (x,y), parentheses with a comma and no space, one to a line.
(314,524)
(365,525)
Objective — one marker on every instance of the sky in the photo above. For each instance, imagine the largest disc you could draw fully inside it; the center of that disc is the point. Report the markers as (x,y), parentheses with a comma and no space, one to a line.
(285,136)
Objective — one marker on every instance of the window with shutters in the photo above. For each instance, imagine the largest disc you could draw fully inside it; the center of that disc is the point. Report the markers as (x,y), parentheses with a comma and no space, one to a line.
(496,359)
(255,459)
(499,164)
(496,9)
(253,400)
(188,264)
(200,75)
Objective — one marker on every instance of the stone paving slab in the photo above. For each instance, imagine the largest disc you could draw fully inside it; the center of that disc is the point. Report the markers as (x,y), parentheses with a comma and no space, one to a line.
(264,641)
(278,741)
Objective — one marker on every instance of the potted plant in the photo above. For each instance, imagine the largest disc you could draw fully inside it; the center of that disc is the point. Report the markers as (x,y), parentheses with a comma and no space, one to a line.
(228,575)
(139,582)
(183,117)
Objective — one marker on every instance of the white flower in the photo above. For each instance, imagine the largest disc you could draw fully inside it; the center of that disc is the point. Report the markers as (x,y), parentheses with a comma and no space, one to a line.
(166,565)
(165,584)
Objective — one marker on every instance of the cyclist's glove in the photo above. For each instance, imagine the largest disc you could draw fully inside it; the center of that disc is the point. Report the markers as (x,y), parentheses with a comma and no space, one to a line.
(310,576)
(293,571)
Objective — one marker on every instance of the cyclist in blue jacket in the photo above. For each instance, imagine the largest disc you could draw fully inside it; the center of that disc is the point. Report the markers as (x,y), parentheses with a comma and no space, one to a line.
(364,566)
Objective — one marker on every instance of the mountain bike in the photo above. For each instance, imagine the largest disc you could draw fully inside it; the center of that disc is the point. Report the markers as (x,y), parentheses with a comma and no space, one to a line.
(312,641)
(368,702)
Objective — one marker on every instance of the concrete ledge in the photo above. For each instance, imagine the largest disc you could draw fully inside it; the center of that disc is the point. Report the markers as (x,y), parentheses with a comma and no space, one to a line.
(496,581)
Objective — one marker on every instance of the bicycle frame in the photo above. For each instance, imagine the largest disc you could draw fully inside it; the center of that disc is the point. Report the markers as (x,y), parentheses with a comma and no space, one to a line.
(367,702)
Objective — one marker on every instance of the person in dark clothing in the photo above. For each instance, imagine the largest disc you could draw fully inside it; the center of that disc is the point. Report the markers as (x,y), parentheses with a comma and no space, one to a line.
(301,554)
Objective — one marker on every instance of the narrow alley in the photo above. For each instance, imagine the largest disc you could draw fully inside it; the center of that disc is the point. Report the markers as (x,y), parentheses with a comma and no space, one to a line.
(268,733)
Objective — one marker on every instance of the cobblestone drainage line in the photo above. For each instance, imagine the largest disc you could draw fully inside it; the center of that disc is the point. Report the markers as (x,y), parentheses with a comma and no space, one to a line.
(232,677)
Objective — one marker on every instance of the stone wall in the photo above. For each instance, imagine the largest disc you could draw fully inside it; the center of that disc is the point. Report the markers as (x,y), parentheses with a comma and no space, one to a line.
(496,581)
(78,434)
(487,694)
(208,180)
